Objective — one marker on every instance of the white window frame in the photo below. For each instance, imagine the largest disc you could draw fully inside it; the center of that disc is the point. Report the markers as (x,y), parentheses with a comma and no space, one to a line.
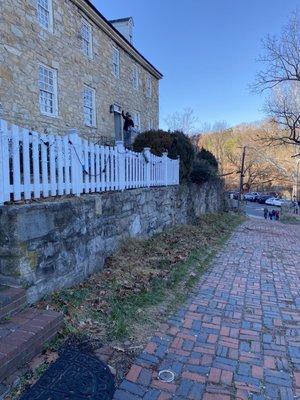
(87,41)
(52,92)
(40,7)
(150,124)
(135,77)
(116,62)
(149,86)
(137,121)
(92,124)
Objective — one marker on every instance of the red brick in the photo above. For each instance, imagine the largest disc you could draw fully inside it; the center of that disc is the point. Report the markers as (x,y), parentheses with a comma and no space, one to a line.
(242,394)
(206,359)
(194,361)
(177,343)
(165,396)
(224,331)
(226,377)
(214,375)
(134,373)
(269,362)
(150,348)
(170,387)
(193,377)
(188,323)
(297,379)
(257,372)
(173,330)
(212,338)
(205,350)
(216,396)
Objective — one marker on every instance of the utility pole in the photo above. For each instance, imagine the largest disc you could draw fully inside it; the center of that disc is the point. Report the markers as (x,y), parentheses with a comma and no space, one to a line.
(242,177)
(297,181)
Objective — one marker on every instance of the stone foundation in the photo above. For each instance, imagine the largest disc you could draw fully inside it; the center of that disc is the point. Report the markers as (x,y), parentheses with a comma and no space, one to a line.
(54,244)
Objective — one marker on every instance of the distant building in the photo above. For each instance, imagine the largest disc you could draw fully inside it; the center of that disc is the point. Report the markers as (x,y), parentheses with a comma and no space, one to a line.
(63,65)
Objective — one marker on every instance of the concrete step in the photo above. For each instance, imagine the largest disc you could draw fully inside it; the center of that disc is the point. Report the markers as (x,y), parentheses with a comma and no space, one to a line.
(12,300)
(24,336)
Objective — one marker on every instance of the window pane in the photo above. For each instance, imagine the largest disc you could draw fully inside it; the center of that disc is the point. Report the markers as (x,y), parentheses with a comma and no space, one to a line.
(43,11)
(116,62)
(89,107)
(47,90)
(86,35)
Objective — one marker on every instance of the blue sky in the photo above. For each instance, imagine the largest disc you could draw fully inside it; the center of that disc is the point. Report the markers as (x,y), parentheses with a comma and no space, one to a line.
(206,49)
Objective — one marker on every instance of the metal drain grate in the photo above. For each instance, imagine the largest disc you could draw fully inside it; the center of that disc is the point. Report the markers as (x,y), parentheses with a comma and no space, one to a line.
(76,375)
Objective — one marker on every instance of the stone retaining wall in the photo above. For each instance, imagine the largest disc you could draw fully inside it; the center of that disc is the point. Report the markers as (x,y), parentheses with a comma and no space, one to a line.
(49,245)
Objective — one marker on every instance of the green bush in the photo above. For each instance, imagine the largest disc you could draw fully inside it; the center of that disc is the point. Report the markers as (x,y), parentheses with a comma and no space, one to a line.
(159,141)
(206,155)
(205,167)
(175,143)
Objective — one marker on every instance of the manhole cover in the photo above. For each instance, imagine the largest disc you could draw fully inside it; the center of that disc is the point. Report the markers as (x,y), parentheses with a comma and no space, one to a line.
(76,375)
(166,376)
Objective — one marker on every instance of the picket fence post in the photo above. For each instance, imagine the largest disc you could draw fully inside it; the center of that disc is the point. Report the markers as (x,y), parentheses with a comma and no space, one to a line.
(177,171)
(76,163)
(121,164)
(4,163)
(165,162)
(147,156)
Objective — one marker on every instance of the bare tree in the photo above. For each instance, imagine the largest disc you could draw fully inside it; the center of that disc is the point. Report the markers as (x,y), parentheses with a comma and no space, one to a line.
(284,107)
(184,121)
(281,57)
(281,76)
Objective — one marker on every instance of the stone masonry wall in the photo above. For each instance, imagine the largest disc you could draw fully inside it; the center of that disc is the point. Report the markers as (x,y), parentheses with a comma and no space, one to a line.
(50,245)
(24,45)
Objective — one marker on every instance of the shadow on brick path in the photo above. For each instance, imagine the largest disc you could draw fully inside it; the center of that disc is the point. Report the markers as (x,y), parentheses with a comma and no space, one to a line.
(238,337)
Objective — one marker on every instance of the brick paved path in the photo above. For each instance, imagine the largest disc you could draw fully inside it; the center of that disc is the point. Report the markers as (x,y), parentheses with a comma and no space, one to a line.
(238,337)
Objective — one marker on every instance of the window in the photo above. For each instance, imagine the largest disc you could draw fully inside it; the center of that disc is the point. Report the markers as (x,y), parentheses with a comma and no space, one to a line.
(86,37)
(135,77)
(45,14)
(149,86)
(48,91)
(150,124)
(89,106)
(137,121)
(116,62)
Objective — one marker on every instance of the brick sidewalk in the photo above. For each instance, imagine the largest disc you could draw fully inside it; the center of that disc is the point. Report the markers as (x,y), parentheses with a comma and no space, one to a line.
(238,337)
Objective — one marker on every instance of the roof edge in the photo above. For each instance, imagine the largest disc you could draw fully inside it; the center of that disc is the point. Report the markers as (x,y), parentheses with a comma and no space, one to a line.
(125,19)
(94,14)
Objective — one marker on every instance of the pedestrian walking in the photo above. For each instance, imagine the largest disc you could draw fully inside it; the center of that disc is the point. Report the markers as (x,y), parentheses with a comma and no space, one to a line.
(266,212)
(270,215)
(277,215)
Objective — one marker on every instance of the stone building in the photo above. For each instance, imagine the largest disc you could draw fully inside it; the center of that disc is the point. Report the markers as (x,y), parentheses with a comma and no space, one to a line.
(63,65)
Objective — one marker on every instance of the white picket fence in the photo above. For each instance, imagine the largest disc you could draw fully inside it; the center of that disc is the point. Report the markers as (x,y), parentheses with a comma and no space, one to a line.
(35,165)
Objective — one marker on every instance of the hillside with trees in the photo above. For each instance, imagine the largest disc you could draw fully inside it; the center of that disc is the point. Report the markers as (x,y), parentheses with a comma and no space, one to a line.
(267,166)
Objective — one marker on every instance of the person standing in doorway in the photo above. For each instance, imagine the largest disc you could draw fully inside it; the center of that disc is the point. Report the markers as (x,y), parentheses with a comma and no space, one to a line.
(127,128)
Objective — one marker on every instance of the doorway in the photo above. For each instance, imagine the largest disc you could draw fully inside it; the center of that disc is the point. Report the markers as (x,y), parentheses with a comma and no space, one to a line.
(118,122)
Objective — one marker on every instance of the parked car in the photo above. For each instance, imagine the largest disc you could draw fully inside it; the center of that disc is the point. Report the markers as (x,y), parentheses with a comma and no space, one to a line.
(263,198)
(233,194)
(251,196)
(275,201)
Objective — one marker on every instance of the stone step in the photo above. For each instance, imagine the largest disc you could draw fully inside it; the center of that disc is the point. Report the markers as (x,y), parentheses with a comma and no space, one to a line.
(24,336)
(12,300)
